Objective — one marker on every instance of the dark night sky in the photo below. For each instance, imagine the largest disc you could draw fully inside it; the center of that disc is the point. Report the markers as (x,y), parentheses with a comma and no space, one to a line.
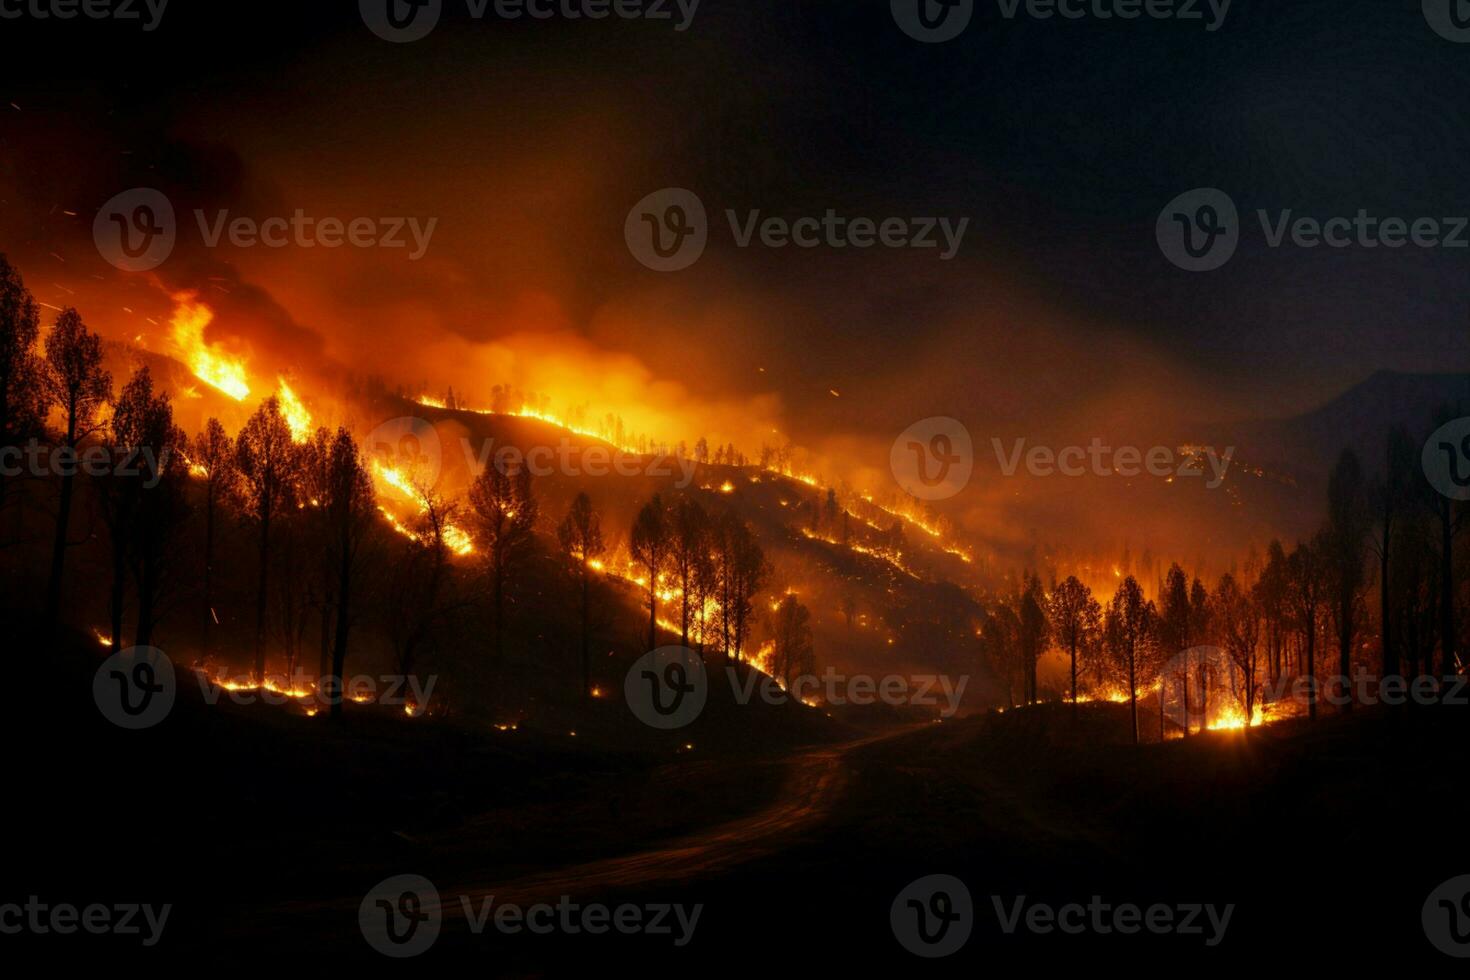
(531,140)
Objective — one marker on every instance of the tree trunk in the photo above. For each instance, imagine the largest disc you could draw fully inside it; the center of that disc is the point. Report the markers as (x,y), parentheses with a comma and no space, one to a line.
(58,551)
(1448,665)
(1133,697)
(339,644)
(1390,665)
(1310,656)
(115,599)
(261,584)
(208,633)
(497,587)
(652,612)
(1073,646)
(586,629)
(147,597)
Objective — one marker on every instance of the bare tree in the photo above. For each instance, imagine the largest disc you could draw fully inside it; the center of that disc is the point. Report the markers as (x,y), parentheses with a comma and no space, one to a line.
(1349,523)
(1076,617)
(23,395)
(1238,616)
(420,590)
(75,381)
(267,462)
(1031,608)
(580,534)
(136,433)
(741,572)
(1132,627)
(1391,495)
(213,463)
(688,547)
(650,544)
(1308,593)
(503,511)
(793,651)
(351,518)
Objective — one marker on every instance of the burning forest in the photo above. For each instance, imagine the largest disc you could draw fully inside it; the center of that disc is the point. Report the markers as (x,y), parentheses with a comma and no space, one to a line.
(541,486)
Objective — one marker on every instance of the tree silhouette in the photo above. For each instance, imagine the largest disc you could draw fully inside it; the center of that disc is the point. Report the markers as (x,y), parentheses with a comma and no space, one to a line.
(1000,646)
(23,396)
(1391,495)
(1349,523)
(267,462)
(213,462)
(580,534)
(74,380)
(741,573)
(793,653)
(137,433)
(347,504)
(1451,520)
(420,587)
(1308,593)
(650,544)
(1238,616)
(503,511)
(1132,627)
(688,547)
(1273,594)
(1076,617)
(1031,609)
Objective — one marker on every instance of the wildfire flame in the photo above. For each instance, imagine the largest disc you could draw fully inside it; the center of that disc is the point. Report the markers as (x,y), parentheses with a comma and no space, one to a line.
(218,370)
(297,417)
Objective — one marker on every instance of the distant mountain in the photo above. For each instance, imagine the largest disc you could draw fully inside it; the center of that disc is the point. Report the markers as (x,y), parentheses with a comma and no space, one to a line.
(1359,419)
